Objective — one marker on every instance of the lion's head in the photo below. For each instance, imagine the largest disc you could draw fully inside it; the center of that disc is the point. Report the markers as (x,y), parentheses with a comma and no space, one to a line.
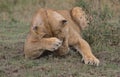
(79,17)
(47,21)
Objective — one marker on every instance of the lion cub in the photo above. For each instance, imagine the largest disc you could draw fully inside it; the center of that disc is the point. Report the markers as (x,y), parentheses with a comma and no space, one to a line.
(56,31)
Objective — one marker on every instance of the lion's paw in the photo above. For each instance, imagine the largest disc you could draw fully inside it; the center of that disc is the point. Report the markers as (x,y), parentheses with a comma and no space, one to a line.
(91,60)
(54,44)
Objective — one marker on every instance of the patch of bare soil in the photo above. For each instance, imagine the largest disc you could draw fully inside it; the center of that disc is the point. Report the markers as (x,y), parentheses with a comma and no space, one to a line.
(106,56)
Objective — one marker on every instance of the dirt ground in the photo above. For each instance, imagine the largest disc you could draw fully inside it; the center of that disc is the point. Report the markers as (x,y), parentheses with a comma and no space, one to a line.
(13,64)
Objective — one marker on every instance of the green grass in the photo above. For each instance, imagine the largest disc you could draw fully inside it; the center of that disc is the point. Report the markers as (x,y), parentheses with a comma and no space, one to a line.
(103,35)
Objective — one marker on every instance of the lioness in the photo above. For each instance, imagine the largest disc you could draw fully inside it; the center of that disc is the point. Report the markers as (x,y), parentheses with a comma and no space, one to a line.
(56,31)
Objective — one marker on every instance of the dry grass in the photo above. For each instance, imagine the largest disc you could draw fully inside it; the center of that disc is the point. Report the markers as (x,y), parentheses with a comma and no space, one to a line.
(103,35)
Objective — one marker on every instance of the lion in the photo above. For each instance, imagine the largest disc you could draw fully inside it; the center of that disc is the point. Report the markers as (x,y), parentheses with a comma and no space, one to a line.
(56,31)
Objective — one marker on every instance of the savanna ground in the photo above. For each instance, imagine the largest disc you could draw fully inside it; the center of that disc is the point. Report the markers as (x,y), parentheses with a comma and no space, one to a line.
(103,35)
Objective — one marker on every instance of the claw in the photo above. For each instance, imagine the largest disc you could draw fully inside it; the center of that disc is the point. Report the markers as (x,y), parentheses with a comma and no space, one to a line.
(91,61)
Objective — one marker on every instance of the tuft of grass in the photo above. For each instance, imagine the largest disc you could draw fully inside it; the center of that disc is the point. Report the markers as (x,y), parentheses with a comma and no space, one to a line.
(83,4)
(6,6)
(106,13)
(102,34)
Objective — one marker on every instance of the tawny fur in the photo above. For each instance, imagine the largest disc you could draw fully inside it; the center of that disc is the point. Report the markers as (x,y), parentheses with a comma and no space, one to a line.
(56,31)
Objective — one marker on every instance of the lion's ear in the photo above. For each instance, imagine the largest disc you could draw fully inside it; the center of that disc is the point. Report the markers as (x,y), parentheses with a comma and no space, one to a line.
(35,29)
(64,22)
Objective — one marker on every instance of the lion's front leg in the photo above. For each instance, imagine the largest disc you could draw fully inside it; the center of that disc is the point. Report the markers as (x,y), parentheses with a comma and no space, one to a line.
(84,48)
(34,49)
(63,50)
(33,54)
